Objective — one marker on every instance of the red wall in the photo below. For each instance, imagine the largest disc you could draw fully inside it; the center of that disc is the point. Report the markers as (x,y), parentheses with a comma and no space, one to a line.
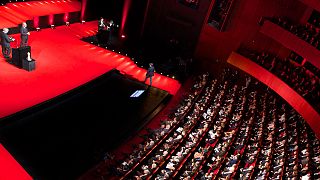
(243,28)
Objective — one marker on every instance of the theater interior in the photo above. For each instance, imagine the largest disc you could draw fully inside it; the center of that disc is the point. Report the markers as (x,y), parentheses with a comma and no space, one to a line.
(235,92)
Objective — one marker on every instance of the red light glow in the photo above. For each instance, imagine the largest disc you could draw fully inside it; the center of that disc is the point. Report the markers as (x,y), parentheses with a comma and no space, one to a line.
(125,11)
(51,19)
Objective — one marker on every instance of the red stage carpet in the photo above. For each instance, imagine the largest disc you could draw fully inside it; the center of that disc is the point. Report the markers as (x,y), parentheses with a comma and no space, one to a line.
(63,62)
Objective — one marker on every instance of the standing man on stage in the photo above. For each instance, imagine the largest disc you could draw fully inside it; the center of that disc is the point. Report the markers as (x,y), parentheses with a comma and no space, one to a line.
(101,25)
(150,73)
(101,28)
(24,33)
(110,28)
(5,43)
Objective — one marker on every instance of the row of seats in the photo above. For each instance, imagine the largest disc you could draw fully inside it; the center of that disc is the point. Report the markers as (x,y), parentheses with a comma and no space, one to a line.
(307,32)
(315,20)
(227,129)
(157,137)
(298,77)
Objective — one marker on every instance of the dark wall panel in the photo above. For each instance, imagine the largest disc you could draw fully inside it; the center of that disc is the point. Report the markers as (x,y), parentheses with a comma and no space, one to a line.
(169,19)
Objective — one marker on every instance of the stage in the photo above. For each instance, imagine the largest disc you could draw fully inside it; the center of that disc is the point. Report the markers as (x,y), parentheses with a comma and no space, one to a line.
(64,62)
(66,136)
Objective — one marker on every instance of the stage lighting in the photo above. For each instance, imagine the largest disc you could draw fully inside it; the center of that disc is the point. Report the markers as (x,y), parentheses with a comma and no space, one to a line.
(123,36)
(52,26)
(67,23)
(160,73)
(126,54)
(37,29)
(83,21)
(173,77)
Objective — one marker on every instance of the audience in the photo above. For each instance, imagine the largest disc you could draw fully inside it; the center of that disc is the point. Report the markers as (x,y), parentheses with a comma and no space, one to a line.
(227,129)
(298,77)
(309,32)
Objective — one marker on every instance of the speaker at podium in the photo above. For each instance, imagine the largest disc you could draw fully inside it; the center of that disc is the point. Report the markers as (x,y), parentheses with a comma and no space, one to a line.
(20,54)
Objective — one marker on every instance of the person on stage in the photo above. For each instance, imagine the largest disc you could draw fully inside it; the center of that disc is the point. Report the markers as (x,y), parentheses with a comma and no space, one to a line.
(101,25)
(5,43)
(150,73)
(101,30)
(24,33)
(110,28)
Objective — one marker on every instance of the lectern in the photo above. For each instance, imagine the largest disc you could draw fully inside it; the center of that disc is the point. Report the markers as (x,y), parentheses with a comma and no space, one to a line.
(20,54)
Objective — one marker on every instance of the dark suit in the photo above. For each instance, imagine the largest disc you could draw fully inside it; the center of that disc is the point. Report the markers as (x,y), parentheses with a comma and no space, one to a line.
(110,28)
(5,43)
(101,33)
(24,36)
(101,25)
(150,74)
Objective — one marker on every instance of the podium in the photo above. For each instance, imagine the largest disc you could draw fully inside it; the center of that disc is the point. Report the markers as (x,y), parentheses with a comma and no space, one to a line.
(29,65)
(19,55)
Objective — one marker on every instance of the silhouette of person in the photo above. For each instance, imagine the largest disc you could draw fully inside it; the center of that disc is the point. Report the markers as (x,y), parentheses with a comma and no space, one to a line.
(150,73)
